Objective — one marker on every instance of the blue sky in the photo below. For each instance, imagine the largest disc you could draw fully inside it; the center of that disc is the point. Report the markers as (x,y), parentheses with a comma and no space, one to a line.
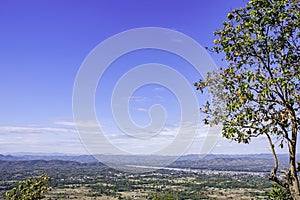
(43,44)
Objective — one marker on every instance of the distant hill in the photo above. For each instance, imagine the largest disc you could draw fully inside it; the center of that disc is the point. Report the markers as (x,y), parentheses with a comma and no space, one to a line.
(47,157)
(43,165)
(251,162)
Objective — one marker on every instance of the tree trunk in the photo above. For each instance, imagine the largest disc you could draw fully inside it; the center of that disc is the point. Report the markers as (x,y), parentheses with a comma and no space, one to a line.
(294,189)
(293,183)
(292,177)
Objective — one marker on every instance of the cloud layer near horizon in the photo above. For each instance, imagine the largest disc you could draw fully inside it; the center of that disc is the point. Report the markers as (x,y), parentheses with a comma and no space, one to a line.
(63,137)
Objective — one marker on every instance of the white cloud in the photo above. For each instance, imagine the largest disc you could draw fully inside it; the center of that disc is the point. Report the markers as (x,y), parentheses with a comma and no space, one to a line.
(27,129)
(66,139)
(39,139)
(141,109)
(139,99)
(84,124)
(159,89)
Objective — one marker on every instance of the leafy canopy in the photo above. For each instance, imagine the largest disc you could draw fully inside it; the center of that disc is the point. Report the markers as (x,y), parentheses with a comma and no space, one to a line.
(32,189)
(259,91)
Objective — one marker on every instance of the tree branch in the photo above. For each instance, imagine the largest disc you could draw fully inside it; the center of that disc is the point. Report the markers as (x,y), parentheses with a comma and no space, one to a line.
(274,171)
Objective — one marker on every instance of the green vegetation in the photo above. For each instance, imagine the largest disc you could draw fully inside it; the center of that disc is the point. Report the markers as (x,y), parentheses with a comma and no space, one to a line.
(258,93)
(279,193)
(74,180)
(32,189)
(171,195)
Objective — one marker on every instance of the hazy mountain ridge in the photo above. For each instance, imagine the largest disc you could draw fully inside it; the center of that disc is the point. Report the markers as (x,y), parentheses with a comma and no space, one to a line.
(32,166)
(251,162)
(48,157)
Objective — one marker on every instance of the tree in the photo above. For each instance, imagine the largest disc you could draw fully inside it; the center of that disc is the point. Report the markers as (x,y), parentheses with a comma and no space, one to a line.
(257,93)
(279,193)
(32,189)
